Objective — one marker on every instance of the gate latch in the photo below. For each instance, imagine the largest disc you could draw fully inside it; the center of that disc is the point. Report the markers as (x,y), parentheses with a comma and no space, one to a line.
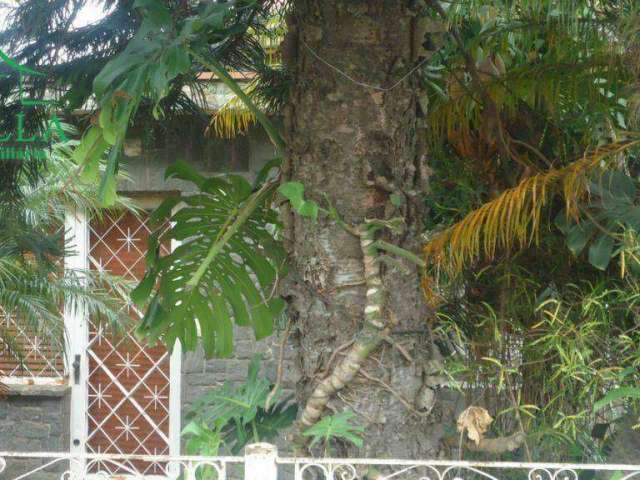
(76,369)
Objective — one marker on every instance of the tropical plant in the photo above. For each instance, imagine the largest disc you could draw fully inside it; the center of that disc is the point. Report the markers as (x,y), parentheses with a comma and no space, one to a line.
(162,51)
(531,101)
(340,426)
(232,416)
(551,354)
(268,86)
(610,220)
(229,277)
(513,218)
(33,283)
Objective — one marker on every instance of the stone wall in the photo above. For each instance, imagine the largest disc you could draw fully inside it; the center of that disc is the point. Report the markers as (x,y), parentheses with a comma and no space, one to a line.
(200,375)
(38,423)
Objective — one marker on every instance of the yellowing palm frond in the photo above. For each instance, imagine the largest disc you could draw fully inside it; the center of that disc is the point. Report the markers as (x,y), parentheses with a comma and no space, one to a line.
(513,218)
(231,120)
(234,118)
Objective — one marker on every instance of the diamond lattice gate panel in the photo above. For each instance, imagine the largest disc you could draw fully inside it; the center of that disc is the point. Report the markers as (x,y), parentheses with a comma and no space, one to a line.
(32,357)
(28,355)
(128,383)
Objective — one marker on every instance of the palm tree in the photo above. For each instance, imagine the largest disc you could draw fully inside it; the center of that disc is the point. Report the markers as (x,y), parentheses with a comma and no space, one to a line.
(33,284)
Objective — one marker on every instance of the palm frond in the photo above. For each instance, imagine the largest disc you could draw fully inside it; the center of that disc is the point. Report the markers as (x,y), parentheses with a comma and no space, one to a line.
(234,118)
(33,285)
(513,218)
(231,120)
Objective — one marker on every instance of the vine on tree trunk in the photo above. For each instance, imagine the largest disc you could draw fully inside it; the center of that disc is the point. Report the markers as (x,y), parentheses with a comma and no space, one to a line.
(375,330)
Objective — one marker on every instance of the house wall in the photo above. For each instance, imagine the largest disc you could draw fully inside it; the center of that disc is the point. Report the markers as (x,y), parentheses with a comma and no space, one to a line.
(41,422)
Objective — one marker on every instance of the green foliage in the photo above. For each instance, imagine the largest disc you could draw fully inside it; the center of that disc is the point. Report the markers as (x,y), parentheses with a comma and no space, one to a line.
(224,270)
(229,222)
(549,69)
(33,285)
(516,94)
(133,52)
(340,426)
(611,214)
(153,58)
(557,349)
(617,394)
(157,57)
(294,192)
(233,416)
(150,69)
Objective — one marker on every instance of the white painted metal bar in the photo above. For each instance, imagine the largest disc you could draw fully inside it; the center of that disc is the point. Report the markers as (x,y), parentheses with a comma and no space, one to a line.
(261,462)
(457,463)
(175,391)
(329,461)
(76,333)
(114,456)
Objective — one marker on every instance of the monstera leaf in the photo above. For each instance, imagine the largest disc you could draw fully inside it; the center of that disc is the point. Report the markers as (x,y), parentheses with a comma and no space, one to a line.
(223,270)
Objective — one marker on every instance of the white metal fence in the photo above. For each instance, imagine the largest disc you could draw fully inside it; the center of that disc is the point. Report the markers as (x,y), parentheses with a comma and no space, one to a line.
(261,462)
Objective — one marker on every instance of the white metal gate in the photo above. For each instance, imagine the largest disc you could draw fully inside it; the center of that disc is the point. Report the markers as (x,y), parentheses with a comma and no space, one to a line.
(125,394)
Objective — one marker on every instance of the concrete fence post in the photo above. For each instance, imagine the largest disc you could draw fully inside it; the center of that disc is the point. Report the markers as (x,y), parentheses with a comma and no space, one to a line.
(260,462)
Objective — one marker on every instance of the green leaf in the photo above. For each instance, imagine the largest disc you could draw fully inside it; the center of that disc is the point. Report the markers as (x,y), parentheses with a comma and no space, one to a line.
(239,412)
(271,423)
(614,186)
(107,192)
(202,440)
(113,70)
(309,209)
(177,61)
(579,235)
(294,192)
(396,200)
(156,11)
(140,295)
(615,395)
(183,171)
(340,426)
(164,210)
(563,222)
(601,251)
(89,153)
(265,170)
(224,270)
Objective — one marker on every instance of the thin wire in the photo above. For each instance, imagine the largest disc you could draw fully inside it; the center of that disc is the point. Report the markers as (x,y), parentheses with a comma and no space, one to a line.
(362,84)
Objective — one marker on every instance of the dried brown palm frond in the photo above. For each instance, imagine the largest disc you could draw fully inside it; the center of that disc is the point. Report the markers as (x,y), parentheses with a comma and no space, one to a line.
(4,390)
(513,218)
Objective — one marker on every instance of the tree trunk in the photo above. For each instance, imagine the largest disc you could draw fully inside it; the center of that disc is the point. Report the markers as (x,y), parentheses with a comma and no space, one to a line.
(358,145)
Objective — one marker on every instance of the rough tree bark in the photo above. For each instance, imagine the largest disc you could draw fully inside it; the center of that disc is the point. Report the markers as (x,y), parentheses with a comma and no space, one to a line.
(360,145)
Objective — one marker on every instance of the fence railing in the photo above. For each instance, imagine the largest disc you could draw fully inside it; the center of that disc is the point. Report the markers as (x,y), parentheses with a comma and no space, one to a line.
(261,462)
